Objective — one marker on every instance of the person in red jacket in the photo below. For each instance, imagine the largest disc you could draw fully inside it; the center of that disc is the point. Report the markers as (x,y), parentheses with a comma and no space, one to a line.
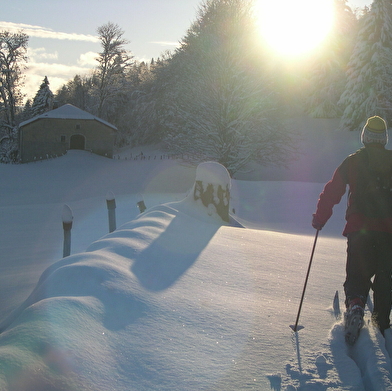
(368,226)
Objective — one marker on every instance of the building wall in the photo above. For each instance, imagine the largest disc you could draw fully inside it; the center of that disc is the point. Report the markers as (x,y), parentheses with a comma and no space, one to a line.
(47,137)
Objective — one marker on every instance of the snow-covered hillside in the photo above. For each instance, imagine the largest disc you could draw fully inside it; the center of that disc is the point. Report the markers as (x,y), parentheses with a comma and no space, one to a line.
(174,299)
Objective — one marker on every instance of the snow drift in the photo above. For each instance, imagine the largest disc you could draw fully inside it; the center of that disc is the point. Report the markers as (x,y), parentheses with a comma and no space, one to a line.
(175,299)
(136,290)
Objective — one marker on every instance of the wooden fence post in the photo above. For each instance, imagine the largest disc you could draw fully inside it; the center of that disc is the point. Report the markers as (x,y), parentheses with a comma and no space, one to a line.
(142,206)
(67,226)
(111,205)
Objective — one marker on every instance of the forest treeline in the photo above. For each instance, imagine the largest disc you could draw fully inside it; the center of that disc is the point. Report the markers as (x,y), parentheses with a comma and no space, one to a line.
(222,94)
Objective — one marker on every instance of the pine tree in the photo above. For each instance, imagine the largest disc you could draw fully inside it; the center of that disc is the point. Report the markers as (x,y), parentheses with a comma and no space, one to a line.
(328,78)
(78,92)
(148,109)
(219,102)
(26,113)
(43,100)
(368,89)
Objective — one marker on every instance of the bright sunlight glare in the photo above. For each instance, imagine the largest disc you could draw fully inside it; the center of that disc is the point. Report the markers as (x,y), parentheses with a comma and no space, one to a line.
(293,28)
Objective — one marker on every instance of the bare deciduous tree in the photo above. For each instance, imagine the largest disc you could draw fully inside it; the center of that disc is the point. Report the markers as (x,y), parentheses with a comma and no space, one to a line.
(13,48)
(113,62)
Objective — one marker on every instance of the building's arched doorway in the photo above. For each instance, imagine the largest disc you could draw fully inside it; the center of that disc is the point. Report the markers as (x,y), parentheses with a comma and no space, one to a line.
(77,142)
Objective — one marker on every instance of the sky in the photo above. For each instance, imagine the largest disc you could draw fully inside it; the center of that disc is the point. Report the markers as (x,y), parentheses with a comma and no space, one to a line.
(63,34)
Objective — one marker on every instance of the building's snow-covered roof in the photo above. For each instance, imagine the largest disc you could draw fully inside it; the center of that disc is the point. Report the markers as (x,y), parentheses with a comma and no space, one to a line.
(67,111)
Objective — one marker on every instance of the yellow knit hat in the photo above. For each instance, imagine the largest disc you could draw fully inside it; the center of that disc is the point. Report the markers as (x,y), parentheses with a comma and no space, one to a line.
(375,131)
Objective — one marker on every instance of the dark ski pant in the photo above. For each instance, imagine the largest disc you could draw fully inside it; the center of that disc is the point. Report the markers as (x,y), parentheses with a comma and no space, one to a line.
(369,254)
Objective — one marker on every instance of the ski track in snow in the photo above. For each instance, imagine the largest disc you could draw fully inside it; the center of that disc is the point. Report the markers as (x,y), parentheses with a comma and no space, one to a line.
(366,366)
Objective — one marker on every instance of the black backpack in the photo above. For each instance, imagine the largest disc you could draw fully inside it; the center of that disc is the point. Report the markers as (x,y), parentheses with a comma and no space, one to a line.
(373,195)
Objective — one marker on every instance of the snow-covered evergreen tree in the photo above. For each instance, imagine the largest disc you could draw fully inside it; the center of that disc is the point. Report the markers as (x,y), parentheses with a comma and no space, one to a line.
(9,146)
(78,92)
(369,85)
(25,114)
(328,78)
(43,100)
(148,109)
(220,103)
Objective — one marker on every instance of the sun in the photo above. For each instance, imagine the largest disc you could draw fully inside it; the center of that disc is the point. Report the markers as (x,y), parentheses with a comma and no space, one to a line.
(293,28)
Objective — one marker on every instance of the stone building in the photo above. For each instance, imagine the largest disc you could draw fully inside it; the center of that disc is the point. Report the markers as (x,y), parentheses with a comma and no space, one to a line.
(67,127)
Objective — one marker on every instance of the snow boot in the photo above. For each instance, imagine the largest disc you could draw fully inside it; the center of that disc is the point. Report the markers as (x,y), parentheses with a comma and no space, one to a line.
(353,320)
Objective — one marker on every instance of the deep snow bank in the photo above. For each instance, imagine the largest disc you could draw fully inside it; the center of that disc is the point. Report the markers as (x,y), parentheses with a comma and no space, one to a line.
(173,300)
(132,311)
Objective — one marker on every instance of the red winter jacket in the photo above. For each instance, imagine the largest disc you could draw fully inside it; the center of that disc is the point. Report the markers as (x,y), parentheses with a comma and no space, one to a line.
(346,174)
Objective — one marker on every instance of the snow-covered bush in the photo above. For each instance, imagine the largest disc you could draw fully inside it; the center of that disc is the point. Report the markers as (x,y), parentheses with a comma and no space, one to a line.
(212,187)
(8,145)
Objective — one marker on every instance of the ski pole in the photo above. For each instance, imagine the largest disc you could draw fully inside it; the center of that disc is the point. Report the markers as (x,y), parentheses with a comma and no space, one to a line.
(295,327)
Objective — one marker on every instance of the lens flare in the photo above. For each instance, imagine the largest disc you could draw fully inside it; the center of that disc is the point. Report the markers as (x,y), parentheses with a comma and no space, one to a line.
(293,28)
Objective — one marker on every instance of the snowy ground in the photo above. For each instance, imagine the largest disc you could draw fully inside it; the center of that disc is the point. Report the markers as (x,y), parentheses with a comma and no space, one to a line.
(173,299)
